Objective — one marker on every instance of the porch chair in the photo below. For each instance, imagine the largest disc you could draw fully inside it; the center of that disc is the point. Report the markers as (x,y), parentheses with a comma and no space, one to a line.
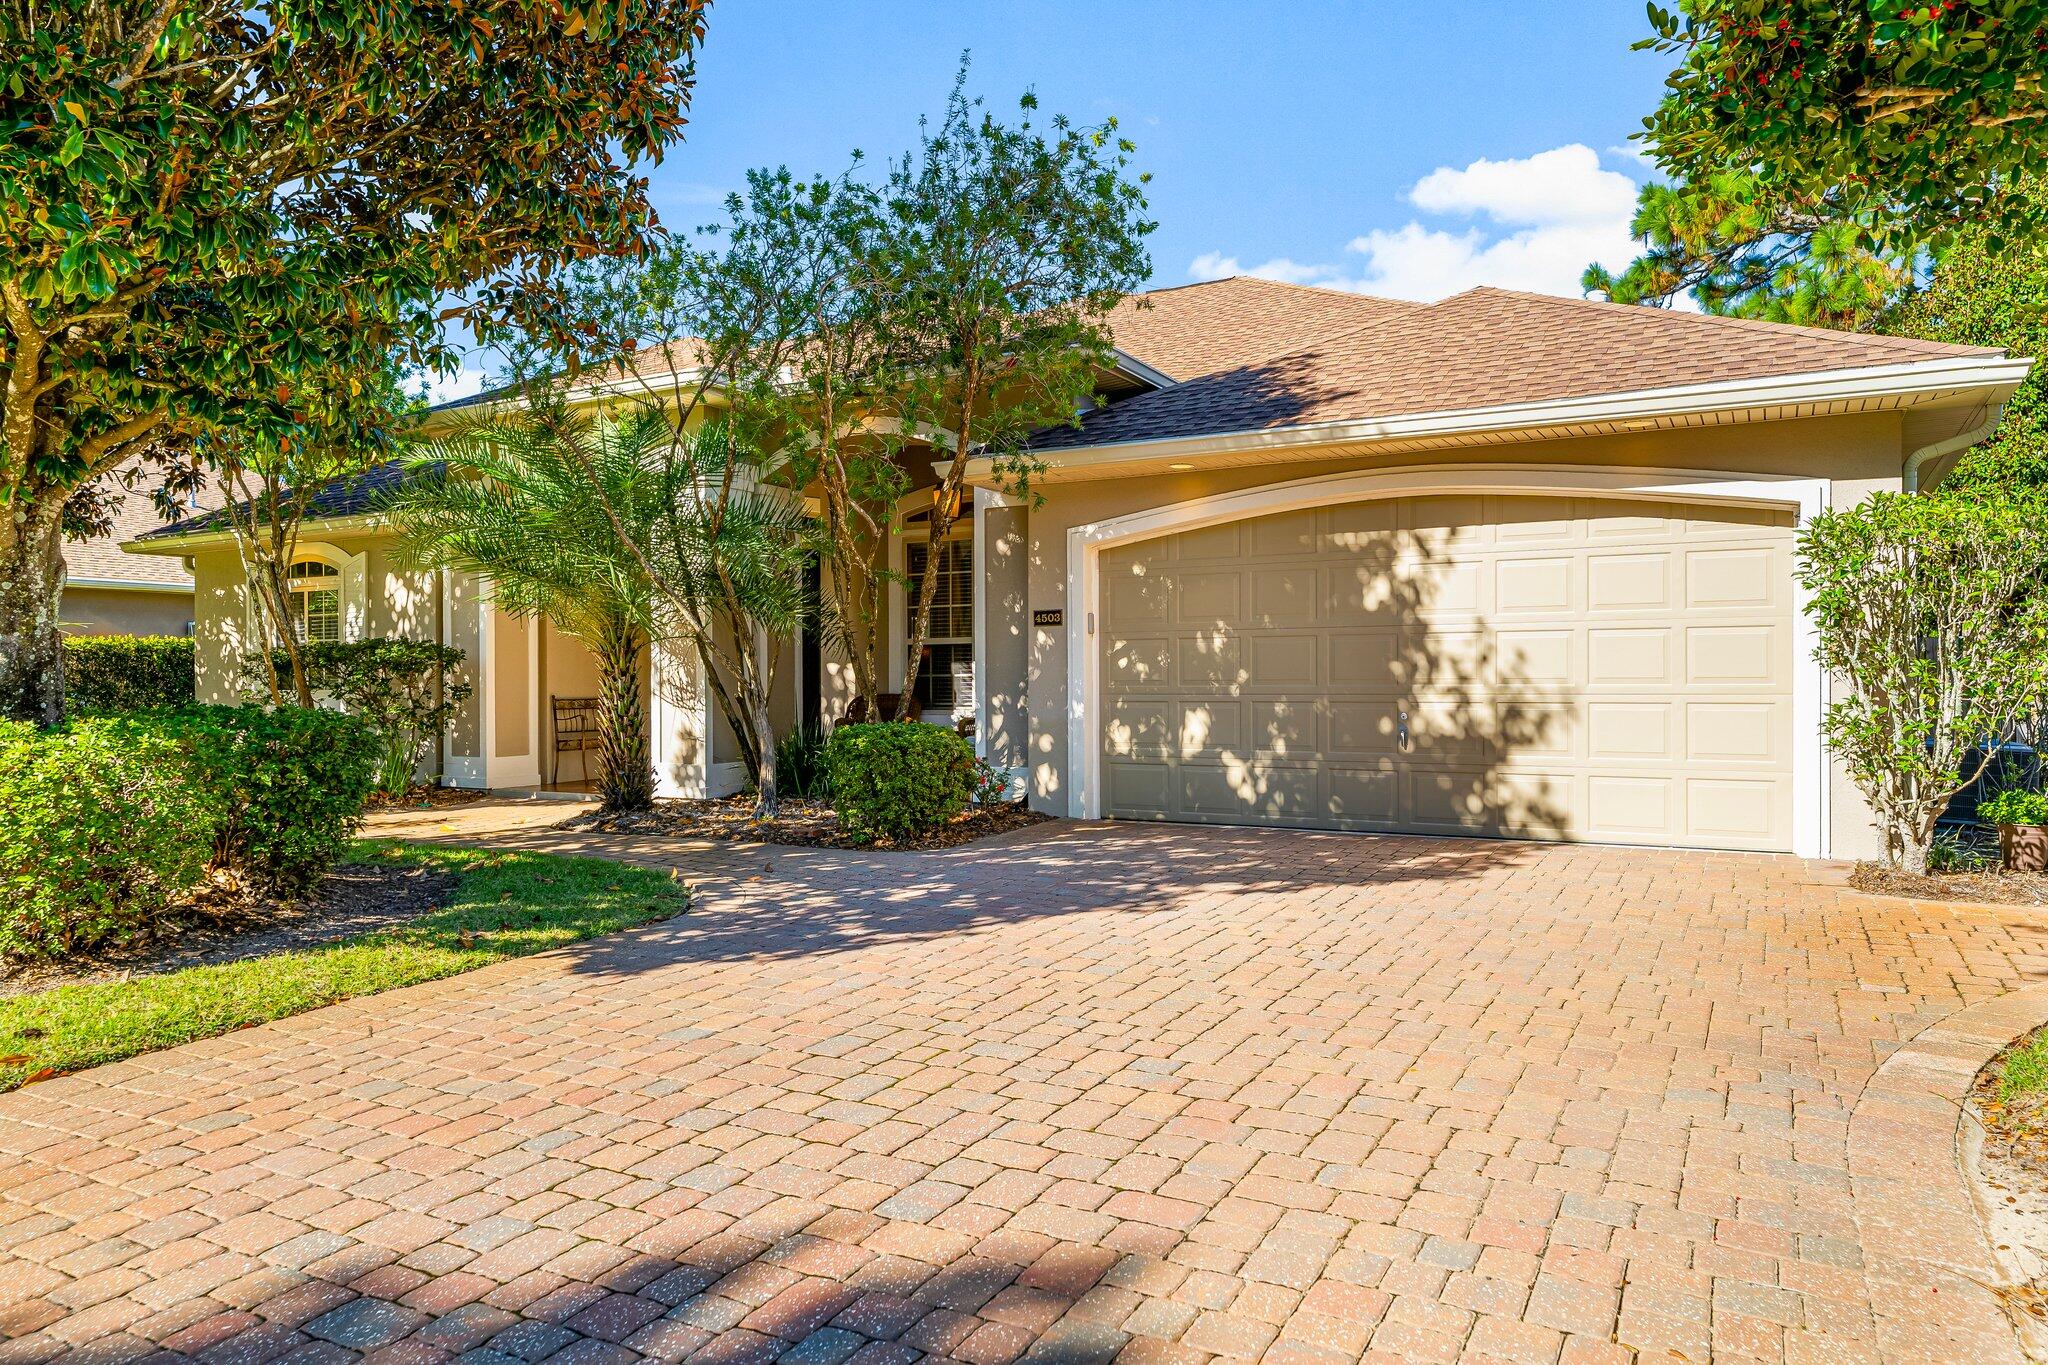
(575,722)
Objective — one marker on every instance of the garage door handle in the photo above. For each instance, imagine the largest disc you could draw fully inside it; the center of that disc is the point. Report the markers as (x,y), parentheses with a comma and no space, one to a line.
(1402,731)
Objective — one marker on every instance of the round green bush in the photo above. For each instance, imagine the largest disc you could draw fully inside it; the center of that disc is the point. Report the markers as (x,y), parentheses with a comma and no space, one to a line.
(898,778)
(101,825)
(289,785)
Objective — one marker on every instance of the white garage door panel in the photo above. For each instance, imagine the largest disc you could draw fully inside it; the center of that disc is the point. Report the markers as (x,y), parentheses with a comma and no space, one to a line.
(1564,668)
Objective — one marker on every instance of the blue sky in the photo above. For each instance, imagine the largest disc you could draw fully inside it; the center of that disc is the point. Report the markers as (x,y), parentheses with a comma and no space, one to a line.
(1411,150)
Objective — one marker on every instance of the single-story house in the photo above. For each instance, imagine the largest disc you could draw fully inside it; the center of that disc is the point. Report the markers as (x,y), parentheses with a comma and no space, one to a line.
(110,592)
(1505,564)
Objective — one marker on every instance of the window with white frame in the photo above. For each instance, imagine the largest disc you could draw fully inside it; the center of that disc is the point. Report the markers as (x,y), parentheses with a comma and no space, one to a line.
(949,644)
(316,601)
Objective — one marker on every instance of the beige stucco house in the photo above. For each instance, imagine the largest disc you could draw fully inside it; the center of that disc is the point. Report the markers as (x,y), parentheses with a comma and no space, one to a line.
(110,592)
(1504,564)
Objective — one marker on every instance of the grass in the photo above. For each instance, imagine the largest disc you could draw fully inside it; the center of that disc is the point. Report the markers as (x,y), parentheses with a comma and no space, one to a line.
(506,905)
(2026,1069)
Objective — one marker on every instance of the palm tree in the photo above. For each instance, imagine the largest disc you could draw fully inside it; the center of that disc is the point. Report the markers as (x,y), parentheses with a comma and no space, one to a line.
(537,502)
(725,551)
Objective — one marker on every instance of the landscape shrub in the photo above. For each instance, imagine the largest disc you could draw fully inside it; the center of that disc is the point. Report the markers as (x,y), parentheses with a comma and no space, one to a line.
(400,688)
(1930,610)
(101,825)
(991,784)
(2015,806)
(287,786)
(898,778)
(800,768)
(104,673)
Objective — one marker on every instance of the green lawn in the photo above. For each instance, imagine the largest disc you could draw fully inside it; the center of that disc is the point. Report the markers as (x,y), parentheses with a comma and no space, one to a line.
(2026,1069)
(507,905)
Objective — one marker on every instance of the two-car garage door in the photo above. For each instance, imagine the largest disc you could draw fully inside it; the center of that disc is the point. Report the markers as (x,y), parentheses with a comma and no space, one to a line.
(1541,667)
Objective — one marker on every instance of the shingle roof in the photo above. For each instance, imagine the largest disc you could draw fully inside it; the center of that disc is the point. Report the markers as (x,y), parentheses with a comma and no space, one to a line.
(1199,328)
(102,558)
(345,498)
(1484,348)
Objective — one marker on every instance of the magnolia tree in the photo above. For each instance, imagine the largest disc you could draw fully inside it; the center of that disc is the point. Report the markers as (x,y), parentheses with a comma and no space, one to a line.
(204,203)
(1923,115)
(1931,611)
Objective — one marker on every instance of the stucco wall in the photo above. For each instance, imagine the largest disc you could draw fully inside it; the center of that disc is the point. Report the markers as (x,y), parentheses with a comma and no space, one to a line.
(1859,454)
(392,601)
(112,611)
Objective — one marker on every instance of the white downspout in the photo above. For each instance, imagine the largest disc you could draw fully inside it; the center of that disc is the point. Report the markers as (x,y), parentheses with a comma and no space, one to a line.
(1909,476)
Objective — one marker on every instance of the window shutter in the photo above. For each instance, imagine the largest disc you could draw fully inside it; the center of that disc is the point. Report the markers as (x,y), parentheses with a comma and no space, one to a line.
(355,607)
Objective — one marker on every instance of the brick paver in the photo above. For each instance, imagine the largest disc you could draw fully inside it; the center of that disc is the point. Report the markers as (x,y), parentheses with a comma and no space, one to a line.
(1084,1093)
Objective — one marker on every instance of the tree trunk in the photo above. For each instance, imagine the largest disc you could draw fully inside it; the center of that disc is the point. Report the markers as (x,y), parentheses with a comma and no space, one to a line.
(767,801)
(31,597)
(625,770)
(735,716)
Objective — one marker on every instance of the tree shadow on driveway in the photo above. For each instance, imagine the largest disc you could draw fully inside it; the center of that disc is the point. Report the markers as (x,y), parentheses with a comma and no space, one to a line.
(760,902)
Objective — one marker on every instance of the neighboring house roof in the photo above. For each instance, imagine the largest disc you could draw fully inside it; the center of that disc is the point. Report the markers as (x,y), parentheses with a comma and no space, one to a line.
(102,563)
(355,496)
(1196,329)
(1480,349)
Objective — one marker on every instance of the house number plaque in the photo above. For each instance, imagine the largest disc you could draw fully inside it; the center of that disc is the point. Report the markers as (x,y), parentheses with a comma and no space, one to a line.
(1054,617)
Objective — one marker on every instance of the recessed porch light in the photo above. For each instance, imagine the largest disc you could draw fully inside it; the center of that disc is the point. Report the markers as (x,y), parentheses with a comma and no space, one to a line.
(1180,468)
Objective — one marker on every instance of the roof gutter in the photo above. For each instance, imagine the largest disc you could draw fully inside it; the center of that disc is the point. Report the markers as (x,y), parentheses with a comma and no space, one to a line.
(1962,374)
(1988,411)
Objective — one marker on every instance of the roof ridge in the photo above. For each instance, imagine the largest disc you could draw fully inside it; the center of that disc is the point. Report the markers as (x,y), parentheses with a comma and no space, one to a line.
(1882,340)
(1246,277)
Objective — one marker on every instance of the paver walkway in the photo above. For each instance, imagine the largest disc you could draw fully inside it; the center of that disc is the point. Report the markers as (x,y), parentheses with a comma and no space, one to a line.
(1083,1093)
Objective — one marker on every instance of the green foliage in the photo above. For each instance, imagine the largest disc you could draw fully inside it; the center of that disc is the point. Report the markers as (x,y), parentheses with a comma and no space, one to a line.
(127,672)
(104,823)
(213,212)
(1918,115)
(1930,610)
(1745,251)
(1979,295)
(991,784)
(800,763)
(400,688)
(285,785)
(548,505)
(506,905)
(898,778)
(101,826)
(2015,806)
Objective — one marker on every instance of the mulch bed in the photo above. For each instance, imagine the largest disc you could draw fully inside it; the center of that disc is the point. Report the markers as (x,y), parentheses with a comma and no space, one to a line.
(224,924)
(803,823)
(1994,888)
(428,798)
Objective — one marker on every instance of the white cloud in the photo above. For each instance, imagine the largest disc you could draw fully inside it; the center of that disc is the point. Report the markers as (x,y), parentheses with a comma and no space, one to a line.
(446,388)
(1546,216)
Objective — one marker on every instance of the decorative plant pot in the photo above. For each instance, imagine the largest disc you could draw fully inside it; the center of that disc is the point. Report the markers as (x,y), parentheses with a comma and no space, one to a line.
(2023,848)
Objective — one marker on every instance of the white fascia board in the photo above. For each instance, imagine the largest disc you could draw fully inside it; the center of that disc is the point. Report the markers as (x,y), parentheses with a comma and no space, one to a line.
(1961,374)
(124,585)
(205,540)
(1138,369)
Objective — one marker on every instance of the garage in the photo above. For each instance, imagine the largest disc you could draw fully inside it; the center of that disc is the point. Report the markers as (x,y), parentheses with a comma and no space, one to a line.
(1536,667)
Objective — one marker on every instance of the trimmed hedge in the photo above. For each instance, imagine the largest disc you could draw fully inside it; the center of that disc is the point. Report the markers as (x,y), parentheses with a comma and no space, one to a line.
(104,823)
(898,778)
(100,826)
(104,673)
(287,786)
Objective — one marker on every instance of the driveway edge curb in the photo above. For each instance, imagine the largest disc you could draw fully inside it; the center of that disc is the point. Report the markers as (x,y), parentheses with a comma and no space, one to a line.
(1926,1260)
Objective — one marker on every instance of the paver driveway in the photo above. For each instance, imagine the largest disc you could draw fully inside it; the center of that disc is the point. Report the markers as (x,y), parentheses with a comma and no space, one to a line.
(1086,1091)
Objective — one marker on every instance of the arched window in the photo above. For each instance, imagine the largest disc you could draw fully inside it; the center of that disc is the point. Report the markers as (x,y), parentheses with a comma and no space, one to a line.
(316,600)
